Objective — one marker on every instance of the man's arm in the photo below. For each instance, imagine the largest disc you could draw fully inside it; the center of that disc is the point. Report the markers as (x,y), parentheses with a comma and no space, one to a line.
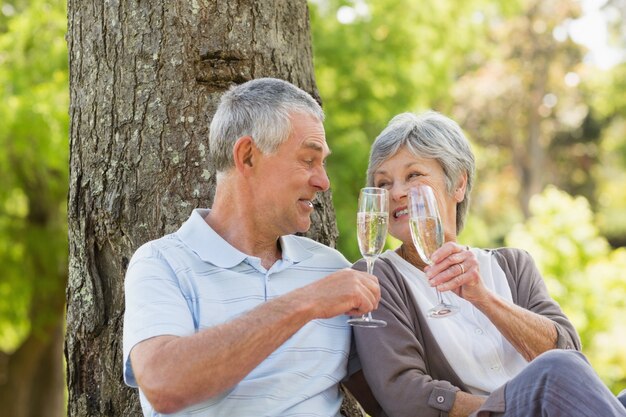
(176,372)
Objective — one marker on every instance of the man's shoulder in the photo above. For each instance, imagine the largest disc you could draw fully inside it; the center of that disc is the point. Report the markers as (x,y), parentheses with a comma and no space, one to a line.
(318,250)
(309,243)
(155,248)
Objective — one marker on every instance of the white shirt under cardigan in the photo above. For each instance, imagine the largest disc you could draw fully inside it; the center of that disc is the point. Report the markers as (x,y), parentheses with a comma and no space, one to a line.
(475,349)
(193,279)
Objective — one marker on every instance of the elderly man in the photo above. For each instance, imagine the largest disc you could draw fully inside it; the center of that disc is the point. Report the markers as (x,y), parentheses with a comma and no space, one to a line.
(233,315)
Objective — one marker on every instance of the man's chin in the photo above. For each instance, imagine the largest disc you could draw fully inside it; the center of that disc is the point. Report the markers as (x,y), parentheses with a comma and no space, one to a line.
(304,227)
(305,230)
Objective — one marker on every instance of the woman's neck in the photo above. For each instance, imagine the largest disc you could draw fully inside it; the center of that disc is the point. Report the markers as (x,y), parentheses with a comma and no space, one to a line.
(409,254)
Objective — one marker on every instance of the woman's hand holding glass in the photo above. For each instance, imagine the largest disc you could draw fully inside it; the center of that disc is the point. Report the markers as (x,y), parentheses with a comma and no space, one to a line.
(455,268)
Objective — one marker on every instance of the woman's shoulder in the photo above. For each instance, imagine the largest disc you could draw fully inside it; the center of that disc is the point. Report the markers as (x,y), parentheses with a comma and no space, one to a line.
(510,255)
(517,264)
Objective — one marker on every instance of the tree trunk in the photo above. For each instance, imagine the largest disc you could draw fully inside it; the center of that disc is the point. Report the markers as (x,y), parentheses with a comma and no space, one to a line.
(31,381)
(145,78)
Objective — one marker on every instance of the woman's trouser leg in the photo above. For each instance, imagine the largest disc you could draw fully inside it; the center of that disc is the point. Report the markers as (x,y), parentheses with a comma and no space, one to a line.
(560,383)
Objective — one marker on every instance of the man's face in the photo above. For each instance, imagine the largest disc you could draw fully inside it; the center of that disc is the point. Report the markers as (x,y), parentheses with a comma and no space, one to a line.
(288,180)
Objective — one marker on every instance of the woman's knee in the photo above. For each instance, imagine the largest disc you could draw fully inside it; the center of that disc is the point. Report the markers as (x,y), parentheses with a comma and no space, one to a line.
(560,358)
(559,366)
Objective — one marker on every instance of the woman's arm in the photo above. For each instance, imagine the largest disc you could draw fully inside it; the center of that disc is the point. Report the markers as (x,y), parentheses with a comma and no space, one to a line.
(530,334)
(533,324)
(404,367)
(465,404)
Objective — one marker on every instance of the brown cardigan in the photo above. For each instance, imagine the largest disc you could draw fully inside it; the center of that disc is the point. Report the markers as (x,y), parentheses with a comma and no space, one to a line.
(404,365)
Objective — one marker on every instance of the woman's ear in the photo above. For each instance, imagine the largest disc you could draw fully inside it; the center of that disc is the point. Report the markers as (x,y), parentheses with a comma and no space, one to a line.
(243,153)
(461,185)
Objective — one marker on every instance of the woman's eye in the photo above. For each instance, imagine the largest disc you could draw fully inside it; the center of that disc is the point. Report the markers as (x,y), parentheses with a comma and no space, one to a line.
(413,175)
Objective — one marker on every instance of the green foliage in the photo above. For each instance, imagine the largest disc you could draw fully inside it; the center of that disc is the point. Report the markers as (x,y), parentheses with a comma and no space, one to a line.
(521,107)
(500,71)
(391,57)
(33,162)
(606,93)
(583,274)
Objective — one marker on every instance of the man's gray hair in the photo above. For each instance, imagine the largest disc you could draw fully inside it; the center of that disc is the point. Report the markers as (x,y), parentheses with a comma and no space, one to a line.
(258,108)
(428,135)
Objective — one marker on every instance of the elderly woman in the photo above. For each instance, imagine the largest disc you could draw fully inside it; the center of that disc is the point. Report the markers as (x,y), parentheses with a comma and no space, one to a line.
(491,355)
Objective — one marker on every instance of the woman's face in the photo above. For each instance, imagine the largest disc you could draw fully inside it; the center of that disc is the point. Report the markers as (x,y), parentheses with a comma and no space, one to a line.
(404,170)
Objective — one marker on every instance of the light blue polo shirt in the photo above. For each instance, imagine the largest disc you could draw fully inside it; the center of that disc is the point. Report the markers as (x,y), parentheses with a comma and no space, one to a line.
(193,279)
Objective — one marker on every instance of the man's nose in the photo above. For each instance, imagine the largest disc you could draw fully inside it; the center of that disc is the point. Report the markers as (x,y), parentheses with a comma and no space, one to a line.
(320,180)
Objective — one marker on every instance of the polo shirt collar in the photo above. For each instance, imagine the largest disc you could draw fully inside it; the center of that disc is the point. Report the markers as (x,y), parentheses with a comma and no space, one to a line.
(206,243)
(293,249)
(212,248)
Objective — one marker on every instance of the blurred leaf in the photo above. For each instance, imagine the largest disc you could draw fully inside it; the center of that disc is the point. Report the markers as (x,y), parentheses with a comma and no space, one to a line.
(583,274)
(388,57)
(33,162)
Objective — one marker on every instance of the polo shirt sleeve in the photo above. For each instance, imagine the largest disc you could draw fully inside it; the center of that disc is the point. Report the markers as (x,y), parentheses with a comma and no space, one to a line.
(155,303)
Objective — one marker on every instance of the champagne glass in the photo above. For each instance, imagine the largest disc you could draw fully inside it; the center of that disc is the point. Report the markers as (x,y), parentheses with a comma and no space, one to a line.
(372,218)
(427,235)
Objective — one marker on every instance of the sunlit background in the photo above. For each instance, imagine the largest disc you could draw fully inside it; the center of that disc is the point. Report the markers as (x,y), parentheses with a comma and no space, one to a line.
(539,87)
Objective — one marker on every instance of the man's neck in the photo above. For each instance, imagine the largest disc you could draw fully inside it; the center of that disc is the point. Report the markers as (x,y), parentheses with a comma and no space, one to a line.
(234,224)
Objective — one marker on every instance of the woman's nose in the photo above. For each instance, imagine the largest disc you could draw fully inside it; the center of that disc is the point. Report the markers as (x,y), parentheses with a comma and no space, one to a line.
(398,191)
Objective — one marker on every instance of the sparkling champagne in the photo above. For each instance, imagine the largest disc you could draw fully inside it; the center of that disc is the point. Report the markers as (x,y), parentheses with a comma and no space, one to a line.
(427,234)
(371,232)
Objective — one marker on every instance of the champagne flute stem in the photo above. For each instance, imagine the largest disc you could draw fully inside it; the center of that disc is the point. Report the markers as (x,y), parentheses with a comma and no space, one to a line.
(370,270)
(439,296)
(370,264)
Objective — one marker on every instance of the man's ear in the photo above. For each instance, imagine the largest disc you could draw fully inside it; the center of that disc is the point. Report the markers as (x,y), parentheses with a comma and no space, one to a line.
(244,153)
(461,185)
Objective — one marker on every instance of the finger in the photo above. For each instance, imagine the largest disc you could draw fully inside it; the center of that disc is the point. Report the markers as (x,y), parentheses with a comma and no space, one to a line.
(365,303)
(445,265)
(372,292)
(451,272)
(366,293)
(467,278)
(446,250)
(449,254)
(371,284)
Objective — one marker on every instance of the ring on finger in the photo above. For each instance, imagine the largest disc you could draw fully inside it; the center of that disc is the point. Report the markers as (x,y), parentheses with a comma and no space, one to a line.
(462,268)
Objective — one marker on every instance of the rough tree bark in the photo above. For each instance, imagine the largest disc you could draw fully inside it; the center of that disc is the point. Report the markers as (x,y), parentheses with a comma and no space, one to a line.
(145,78)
